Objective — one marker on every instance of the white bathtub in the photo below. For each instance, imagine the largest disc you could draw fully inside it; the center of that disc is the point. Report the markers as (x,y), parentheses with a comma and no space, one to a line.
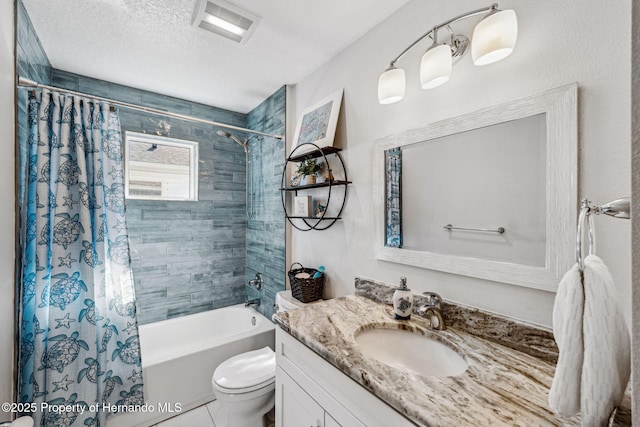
(179,357)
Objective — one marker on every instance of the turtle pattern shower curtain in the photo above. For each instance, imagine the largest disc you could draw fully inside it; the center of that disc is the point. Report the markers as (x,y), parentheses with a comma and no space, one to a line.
(79,347)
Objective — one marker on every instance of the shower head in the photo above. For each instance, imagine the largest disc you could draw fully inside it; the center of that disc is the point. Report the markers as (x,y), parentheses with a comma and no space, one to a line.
(232,137)
(249,209)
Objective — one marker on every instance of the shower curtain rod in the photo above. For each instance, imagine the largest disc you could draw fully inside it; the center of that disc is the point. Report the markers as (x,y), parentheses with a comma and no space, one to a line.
(27,83)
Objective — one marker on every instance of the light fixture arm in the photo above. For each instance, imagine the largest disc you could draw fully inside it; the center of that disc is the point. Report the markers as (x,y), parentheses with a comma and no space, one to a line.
(451,35)
(434,30)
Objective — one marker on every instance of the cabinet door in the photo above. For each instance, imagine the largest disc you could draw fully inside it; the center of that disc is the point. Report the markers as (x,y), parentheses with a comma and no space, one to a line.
(294,407)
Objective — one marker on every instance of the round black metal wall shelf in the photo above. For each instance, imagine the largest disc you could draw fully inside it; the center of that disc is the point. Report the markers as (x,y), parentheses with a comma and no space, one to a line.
(310,151)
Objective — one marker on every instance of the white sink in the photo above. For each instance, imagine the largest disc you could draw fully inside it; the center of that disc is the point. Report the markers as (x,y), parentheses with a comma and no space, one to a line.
(411,350)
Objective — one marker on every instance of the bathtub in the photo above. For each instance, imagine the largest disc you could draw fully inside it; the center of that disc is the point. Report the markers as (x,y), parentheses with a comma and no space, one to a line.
(179,357)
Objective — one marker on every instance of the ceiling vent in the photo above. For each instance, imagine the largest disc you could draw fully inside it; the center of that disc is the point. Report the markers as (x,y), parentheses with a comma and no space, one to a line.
(225,19)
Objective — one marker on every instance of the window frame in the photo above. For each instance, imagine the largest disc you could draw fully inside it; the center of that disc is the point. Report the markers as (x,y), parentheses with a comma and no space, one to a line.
(192,146)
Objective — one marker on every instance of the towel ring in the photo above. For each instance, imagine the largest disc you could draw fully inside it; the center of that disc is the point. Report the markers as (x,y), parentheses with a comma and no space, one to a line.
(585,218)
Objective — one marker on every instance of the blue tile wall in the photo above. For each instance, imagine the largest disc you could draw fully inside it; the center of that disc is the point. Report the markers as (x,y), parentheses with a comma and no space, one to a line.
(187,257)
(31,59)
(266,230)
(32,63)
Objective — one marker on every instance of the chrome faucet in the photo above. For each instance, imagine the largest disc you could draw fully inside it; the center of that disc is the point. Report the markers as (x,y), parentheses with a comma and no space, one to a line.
(252,302)
(257,281)
(432,310)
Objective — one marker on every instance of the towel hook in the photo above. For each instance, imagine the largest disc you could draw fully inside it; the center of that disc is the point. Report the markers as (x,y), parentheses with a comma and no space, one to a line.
(619,208)
(585,218)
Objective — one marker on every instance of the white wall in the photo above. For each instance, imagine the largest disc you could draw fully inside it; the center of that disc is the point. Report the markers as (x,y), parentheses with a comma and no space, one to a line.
(7,196)
(559,43)
(635,208)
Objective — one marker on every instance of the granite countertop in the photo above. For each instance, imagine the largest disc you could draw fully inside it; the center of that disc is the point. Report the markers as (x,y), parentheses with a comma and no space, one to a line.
(502,386)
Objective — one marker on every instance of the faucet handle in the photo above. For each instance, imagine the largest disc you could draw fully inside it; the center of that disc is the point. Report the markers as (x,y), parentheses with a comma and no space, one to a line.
(436,320)
(435,300)
(257,281)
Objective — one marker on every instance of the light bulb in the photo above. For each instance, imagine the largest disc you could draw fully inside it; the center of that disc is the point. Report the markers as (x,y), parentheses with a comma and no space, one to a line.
(494,37)
(391,85)
(435,67)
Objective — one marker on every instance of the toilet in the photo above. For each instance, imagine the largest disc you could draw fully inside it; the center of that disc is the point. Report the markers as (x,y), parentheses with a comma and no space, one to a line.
(245,384)
(285,301)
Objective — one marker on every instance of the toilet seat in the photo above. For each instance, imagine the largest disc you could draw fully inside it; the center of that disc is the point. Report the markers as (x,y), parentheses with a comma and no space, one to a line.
(267,386)
(246,372)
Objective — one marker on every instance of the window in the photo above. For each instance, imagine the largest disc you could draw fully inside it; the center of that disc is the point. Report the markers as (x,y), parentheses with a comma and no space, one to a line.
(160,168)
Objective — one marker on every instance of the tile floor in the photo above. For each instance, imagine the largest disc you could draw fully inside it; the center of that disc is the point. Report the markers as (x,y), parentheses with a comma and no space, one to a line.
(201,416)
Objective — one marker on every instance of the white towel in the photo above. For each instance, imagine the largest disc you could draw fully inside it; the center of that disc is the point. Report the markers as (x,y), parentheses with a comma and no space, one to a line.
(594,361)
(564,397)
(607,350)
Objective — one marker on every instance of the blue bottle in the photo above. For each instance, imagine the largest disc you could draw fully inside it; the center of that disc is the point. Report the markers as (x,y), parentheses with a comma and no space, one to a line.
(318,273)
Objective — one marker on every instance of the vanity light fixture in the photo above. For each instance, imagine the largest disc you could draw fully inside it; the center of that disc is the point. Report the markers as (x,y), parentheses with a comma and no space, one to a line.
(224,19)
(494,38)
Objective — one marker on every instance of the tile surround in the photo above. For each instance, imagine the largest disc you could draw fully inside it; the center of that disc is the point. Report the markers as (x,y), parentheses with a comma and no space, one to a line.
(187,257)
(265,231)
(32,63)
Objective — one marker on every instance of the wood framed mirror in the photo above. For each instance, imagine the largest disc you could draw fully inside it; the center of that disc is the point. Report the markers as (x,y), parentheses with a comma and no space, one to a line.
(512,167)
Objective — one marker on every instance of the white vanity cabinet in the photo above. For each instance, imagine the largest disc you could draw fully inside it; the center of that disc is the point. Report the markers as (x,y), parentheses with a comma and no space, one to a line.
(296,407)
(312,392)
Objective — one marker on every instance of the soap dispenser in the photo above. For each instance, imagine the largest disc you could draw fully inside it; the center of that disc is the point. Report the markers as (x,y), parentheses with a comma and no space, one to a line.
(402,301)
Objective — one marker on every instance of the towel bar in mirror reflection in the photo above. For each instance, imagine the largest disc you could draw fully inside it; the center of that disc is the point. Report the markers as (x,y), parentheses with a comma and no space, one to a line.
(498,230)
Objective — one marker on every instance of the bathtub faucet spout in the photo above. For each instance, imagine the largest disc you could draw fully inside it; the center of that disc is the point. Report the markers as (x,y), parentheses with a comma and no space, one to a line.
(252,302)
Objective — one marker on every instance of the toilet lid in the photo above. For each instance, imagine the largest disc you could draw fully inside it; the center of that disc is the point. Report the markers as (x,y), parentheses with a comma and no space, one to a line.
(246,370)
(285,301)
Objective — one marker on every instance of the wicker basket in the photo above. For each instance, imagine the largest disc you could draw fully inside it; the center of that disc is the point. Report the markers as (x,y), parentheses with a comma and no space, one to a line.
(305,290)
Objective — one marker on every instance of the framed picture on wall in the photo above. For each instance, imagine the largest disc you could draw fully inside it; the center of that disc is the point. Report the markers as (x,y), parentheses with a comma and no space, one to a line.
(317,123)
(302,206)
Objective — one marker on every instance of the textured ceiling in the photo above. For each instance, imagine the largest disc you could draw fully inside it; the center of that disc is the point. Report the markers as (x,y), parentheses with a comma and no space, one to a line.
(151,44)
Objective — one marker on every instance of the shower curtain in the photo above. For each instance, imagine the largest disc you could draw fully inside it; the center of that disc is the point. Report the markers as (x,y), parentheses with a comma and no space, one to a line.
(78,335)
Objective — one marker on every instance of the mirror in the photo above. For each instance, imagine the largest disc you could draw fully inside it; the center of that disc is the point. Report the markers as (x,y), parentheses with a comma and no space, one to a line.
(160,168)
(499,169)
(491,194)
